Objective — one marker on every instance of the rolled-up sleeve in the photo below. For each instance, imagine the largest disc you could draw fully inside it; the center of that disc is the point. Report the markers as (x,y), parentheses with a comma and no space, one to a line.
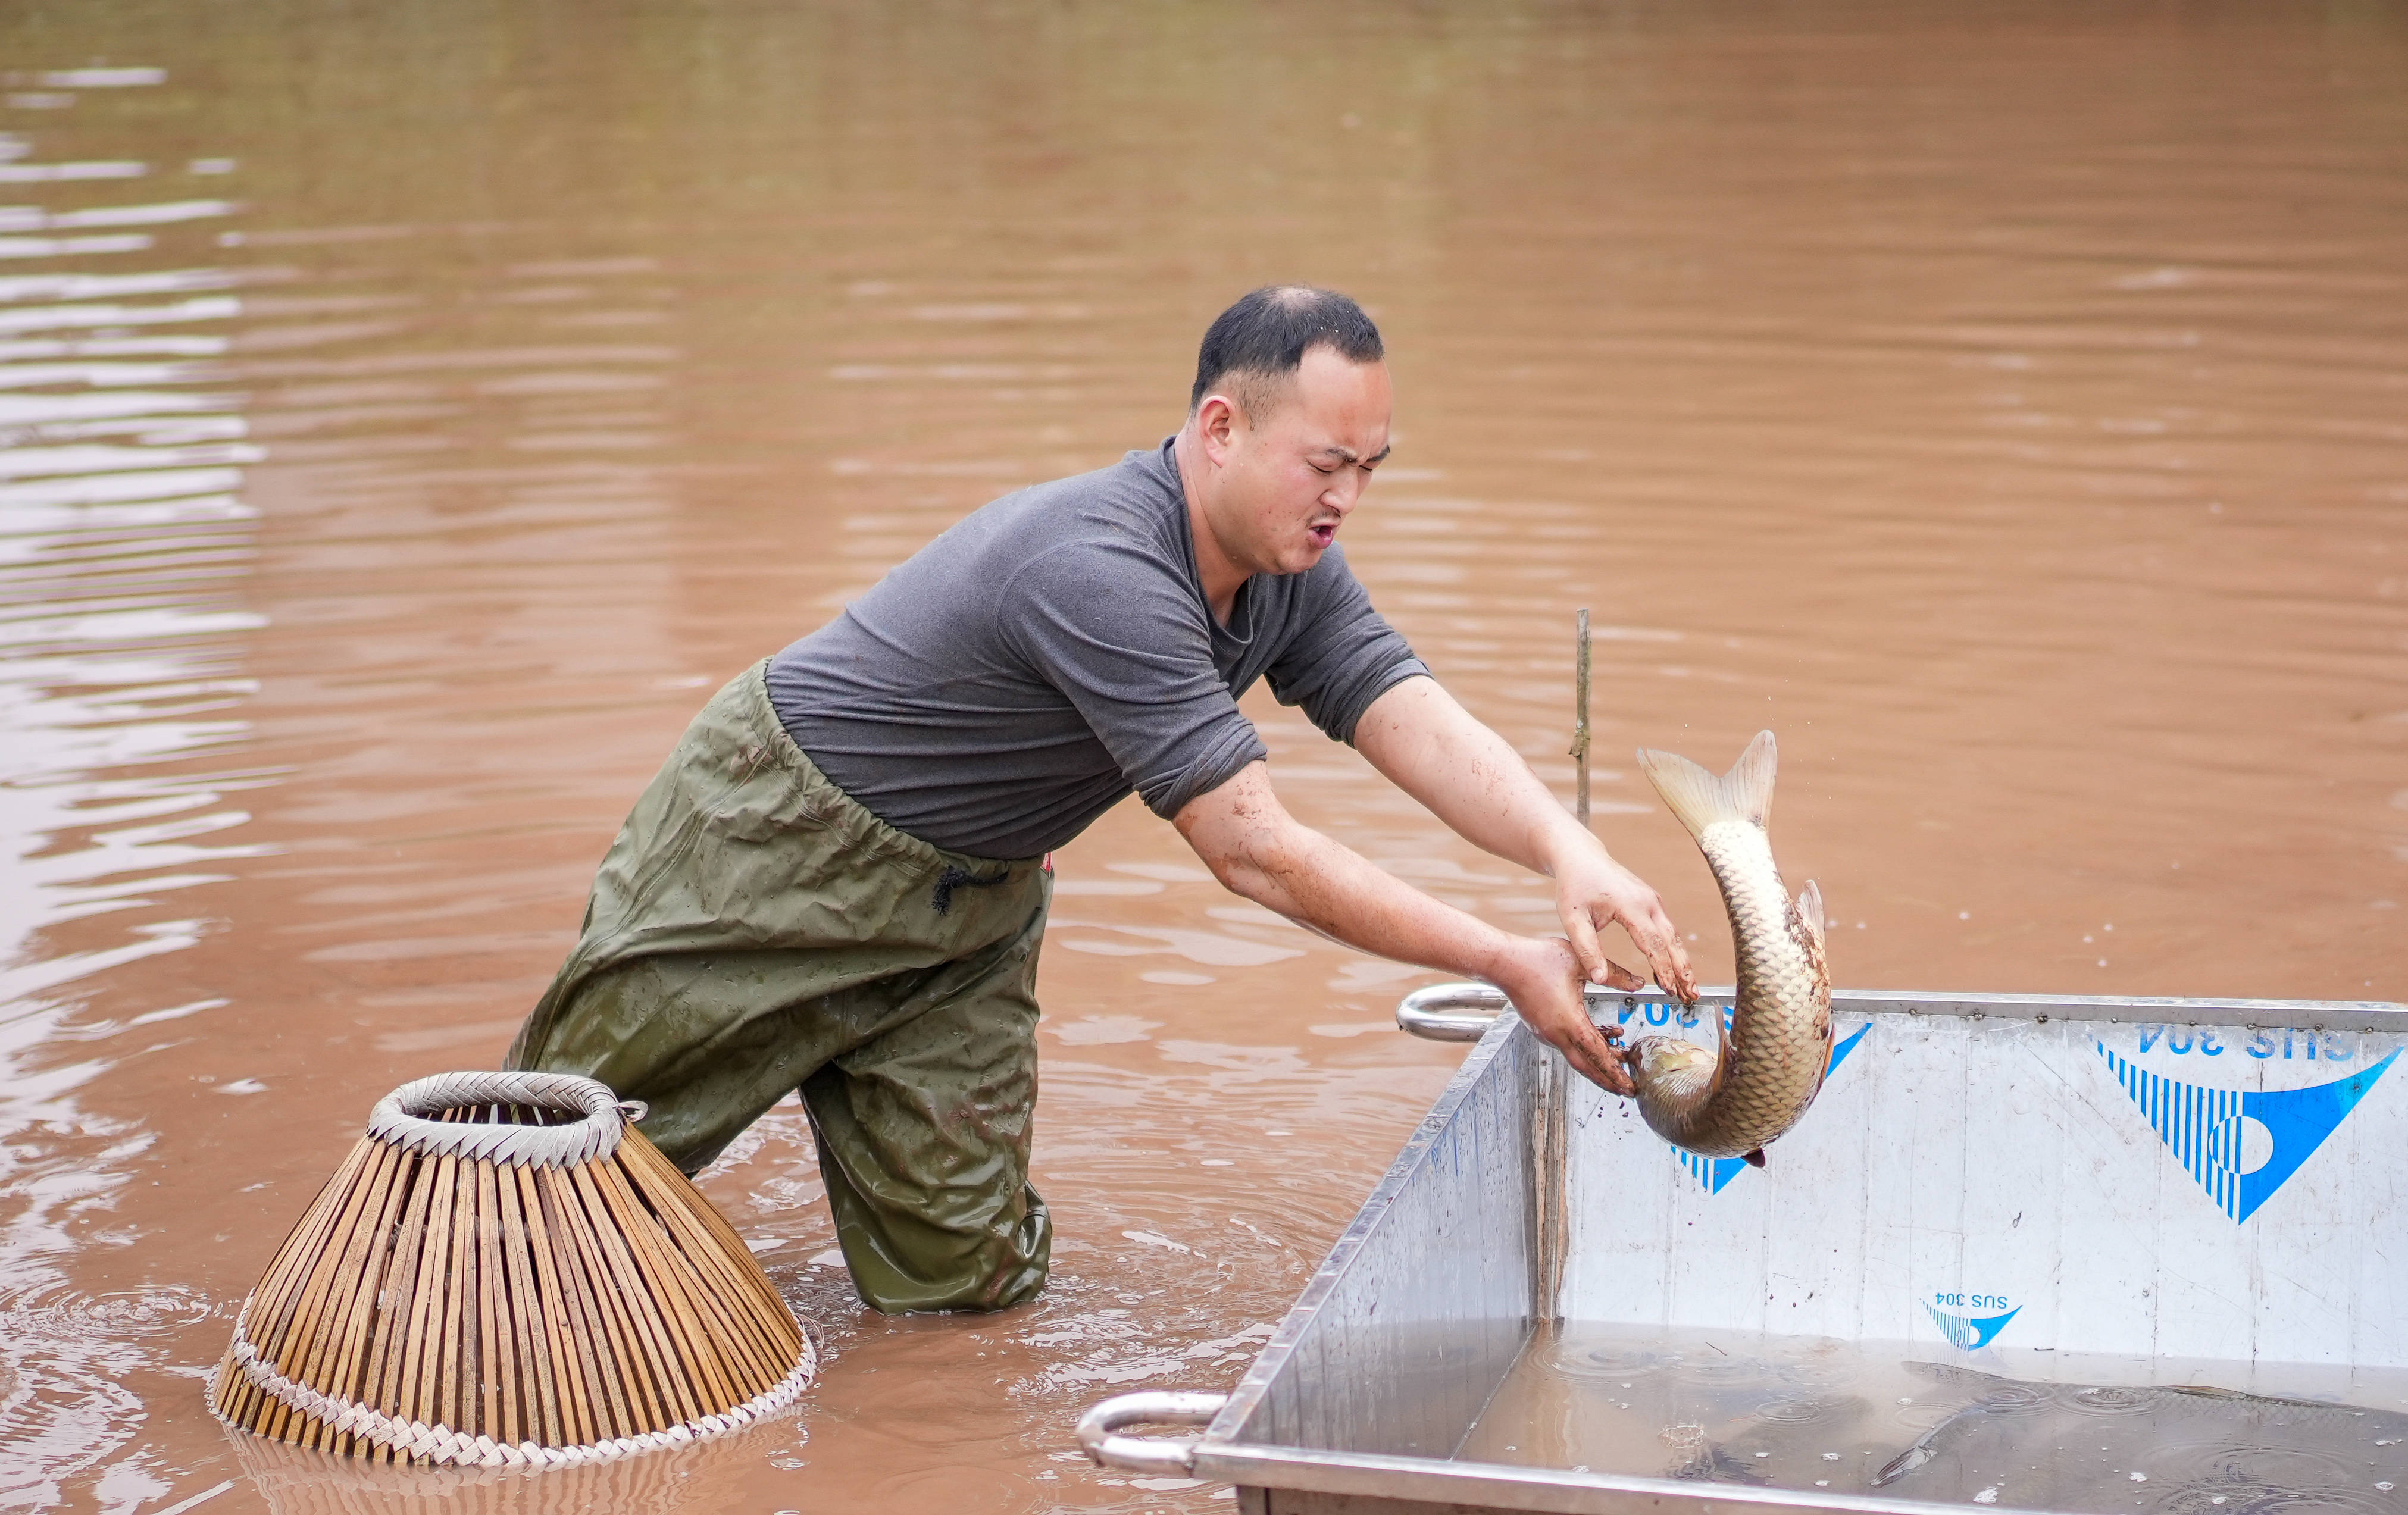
(1129,649)
(1343,656)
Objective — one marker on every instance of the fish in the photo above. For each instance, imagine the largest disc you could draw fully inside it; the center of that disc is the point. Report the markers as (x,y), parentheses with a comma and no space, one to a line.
(2198,1449)
(1735,1098)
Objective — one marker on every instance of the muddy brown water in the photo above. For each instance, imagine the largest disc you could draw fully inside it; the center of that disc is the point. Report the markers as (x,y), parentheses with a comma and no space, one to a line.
(410,412)
(1884,1418)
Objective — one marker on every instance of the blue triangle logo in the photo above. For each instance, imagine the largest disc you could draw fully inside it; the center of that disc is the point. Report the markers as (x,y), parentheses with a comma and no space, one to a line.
(2242,1145)
(1968,1333)
(1714,1172)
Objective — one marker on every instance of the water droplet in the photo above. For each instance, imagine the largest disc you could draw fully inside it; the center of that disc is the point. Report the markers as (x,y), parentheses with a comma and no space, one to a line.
(1988,1496)
(2384,1485)
(1964,915)
(2139,1477)
(1830,1457)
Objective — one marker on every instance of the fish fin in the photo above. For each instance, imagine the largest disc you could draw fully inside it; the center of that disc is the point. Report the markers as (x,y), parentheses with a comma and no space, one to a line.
(1700,799)
(1754,1159)
(1908,1460)
(1812,916)
(1725,1055)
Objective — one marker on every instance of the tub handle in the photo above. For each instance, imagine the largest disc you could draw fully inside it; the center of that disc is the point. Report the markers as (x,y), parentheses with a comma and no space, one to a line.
(1098,1439)
(1450,1012)
(1464,1011)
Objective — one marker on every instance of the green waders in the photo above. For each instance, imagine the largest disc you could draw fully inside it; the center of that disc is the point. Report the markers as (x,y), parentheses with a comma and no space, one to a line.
(755,931)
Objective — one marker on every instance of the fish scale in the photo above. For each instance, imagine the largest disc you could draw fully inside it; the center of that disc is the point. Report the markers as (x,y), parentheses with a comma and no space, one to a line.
(1732,1100)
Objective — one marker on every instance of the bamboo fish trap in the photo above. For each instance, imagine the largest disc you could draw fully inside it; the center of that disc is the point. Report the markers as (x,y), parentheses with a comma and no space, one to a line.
(503,1272)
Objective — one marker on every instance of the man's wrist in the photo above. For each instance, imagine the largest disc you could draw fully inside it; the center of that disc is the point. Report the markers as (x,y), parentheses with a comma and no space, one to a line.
(1500,958)
(1496,960)
(1567,844)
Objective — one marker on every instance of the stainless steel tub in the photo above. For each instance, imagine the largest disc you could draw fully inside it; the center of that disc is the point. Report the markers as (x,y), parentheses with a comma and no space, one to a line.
(1993,1189)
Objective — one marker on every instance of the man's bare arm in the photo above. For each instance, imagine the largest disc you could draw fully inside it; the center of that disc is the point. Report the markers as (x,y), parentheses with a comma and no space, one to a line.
(1255,847)
(1432,749)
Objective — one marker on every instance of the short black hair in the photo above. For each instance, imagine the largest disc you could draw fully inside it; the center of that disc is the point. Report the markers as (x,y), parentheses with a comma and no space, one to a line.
(1258,342)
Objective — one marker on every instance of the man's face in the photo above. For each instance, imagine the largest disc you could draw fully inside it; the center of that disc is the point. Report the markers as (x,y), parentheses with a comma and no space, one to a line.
(1291,476)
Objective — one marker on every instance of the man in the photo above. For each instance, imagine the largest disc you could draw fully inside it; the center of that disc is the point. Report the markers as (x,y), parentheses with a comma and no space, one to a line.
(838,883)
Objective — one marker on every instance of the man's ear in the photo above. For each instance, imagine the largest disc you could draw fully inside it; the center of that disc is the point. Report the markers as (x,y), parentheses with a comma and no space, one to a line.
(1219,422)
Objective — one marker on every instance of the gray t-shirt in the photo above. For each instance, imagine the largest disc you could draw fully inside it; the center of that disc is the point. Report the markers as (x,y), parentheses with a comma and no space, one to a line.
(1013,680)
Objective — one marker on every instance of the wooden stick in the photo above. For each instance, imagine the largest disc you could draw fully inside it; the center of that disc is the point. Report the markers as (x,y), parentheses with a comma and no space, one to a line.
(457,1380)
(567,1411)
(602,1352)
(668,1278)
(415,1391)
(721,1256)
(714,1292)
(343,1374)
(496,1373)
(678,1357)
(302,1247)
(307,1333)
(656,1380)
(395,1315)
(1579,721)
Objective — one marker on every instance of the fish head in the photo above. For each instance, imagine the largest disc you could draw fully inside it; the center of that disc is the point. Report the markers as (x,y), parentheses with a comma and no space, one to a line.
(1664,1057)
(1674,1077)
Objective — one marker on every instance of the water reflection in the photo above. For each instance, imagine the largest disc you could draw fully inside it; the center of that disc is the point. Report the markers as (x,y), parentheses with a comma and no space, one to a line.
(291,1480)
(1876,1417)
(124,544)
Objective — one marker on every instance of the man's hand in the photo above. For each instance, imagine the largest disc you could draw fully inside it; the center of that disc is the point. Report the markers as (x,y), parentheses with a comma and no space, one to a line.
(1593,892)
(1542,979)
(1254,847)
(1434,750)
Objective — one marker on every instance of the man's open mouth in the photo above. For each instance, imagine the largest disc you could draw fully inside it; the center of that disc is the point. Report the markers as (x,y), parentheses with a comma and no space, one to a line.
(1324,534)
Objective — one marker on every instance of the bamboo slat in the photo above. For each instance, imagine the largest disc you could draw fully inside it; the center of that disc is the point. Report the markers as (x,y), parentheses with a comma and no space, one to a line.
(503,1273)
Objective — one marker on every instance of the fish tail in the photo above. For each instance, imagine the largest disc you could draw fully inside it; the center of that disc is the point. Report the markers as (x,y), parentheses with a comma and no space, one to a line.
(1700,799)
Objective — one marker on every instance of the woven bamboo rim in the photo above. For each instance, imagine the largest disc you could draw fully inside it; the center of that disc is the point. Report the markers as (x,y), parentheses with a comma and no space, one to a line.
(505,1273)
(402,1118)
